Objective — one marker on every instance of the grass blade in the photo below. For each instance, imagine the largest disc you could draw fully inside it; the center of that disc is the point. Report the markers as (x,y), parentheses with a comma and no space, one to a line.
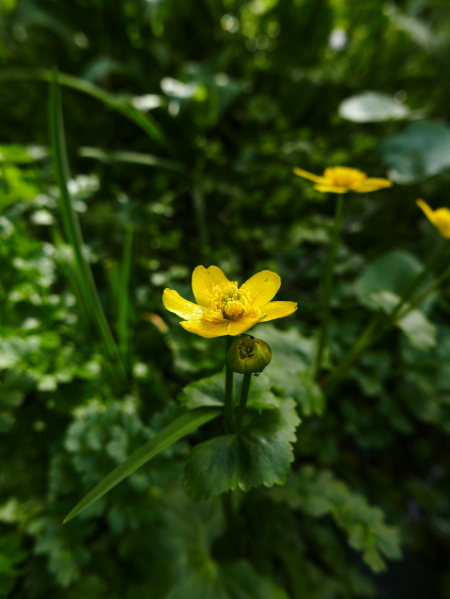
(174,431)
(132,158)
(144,121)
(72,229)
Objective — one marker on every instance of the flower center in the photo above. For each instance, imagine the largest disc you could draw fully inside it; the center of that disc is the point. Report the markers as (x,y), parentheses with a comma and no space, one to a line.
(342,176)
(228,301)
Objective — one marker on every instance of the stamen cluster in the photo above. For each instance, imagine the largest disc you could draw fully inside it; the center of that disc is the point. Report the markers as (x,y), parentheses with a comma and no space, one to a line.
(230,302)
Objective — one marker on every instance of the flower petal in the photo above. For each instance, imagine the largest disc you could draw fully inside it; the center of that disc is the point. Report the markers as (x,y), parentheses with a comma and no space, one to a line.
(204,280)
(262,287)
(205,328)
(441,220)
(426,210)
(175,303)
(240,325)
(330,188)
(277,310)
(301,173)
(373,185)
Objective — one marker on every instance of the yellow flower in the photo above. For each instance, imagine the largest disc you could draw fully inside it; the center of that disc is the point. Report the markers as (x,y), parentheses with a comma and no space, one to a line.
(222,307)
(440,218)
(340,179)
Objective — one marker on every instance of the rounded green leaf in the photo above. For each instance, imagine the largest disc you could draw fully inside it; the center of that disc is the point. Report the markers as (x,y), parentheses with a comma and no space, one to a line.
(259,454)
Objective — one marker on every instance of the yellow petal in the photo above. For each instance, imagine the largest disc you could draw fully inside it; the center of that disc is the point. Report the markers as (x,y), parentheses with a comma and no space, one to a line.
(301,173)
(426,210)
(203,280)
(373,185)
(175,303)
(262,287)
(442,221)
(205,328)
(330,188)
(277,310)
(240,325)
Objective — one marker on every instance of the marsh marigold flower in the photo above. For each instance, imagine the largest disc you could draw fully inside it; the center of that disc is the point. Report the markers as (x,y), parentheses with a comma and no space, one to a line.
(341,179)
(440,218)
(222,307)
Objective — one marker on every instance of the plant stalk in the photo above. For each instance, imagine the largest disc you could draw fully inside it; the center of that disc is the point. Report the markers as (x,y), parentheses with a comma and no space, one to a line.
(228,421)
(243,400)
(328,285)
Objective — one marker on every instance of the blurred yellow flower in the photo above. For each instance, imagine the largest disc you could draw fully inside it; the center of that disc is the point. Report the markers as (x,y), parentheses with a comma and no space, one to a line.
(440,218)
(341,179)
(222,307)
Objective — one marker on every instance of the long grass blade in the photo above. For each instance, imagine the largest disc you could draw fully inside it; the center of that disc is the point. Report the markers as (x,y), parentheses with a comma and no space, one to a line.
(144,121)
(72,229)
(174,431)
(132,158)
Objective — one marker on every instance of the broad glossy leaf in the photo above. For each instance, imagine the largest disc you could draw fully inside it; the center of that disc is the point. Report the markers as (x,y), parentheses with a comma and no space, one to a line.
(392,272)
(211,392)
(174,431)
(420,151)
(416,326)
(371,107)
(259,454)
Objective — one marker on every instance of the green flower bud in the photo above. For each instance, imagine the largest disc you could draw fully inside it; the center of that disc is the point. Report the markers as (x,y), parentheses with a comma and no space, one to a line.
(247,355)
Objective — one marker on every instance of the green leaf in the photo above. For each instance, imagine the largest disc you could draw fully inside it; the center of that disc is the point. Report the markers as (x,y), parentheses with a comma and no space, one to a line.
(184,546)
(259,454)
(292,356)
(318,493)
(131,158)
(82,270)
(174,431)
(392,272)
(145,122)
(210,391)
(416,326)
(420,151)
(372,107)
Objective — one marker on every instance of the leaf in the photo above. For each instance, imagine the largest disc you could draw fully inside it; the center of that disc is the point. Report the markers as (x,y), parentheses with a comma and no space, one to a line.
(131,158)
(259,454)
(319,493)
(292,356)
(171,433)
(145,122)
(372,107)
(392,272)
(210,391)
(186,538)
(420,151)
(420,331)
(82,270)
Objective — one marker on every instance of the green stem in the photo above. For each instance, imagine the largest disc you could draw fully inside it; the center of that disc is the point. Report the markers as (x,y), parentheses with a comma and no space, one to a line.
(229,516)
(423,296)
(367,339)
(328,285)
(415,284)
(243,400)
(228,389)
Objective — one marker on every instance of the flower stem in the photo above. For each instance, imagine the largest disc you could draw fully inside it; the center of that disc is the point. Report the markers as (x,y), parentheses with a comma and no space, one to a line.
(228,389)
(415,284)
(243,400)
(328,285)
(375,330)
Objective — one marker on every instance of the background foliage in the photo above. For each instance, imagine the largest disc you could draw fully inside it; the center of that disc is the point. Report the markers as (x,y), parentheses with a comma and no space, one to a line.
(183,123)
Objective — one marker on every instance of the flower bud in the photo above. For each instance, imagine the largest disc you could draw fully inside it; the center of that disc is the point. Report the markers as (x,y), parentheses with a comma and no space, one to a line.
(247,355)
